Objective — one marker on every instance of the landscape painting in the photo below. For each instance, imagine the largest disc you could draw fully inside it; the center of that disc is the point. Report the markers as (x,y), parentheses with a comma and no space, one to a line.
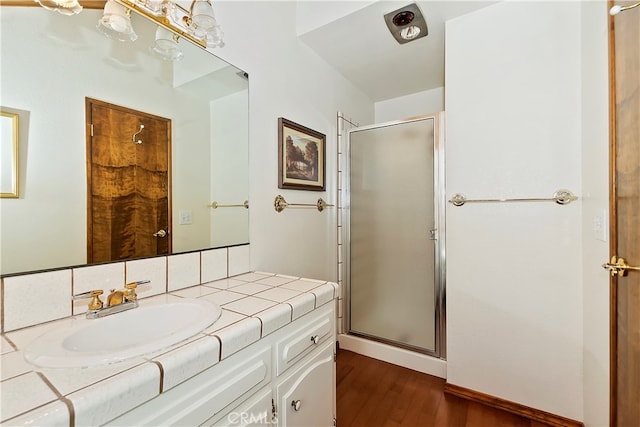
(301,154)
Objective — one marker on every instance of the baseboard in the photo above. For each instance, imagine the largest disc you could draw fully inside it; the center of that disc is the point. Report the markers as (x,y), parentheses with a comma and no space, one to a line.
(398,356)
(514,408)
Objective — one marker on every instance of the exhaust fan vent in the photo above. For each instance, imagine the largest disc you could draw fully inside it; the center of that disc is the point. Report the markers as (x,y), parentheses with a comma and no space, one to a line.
(406,24)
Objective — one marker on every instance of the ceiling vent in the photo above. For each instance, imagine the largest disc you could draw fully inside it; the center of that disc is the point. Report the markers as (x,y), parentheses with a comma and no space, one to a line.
(406,24)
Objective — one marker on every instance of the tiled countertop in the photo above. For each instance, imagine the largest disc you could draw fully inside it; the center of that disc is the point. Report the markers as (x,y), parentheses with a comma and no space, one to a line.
(253,306)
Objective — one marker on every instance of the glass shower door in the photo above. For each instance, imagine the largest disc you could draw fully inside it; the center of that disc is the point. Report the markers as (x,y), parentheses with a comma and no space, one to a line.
(392,271)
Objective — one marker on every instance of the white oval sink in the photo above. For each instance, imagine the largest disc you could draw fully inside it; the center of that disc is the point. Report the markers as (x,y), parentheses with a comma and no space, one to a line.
(149,328)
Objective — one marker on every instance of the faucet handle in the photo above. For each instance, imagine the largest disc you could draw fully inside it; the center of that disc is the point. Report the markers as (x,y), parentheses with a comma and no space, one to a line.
(82,295)
(96,302)
(138,283)
(130,291)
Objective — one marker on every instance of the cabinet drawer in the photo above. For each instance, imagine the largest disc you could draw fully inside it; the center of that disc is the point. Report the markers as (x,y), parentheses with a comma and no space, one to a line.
(205,396)
(310,334)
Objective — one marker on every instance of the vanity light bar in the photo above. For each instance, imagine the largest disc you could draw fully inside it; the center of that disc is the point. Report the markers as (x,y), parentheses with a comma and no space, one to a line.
(164,21)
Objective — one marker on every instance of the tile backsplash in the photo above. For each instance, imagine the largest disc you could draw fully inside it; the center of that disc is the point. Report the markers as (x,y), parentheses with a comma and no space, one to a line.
(34,298)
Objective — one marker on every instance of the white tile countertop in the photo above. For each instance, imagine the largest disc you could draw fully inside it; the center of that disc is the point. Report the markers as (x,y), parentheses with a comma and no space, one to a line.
(253,306)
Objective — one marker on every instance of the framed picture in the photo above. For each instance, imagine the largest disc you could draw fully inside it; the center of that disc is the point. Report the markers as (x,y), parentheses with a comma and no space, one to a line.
(301,157)
(8,154)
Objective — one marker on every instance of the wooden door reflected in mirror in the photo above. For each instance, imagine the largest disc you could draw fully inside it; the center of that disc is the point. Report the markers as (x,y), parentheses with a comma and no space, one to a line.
(128,176)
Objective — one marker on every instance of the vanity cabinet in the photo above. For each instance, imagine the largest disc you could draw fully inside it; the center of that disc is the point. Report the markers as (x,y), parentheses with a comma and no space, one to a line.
(284,379)
(206,394)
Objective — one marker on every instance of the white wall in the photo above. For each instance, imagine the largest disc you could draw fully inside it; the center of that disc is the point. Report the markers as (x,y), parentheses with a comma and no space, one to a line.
(595,193)
(287,79)
(416,104)
(229,157)
(514,271)
(311,15)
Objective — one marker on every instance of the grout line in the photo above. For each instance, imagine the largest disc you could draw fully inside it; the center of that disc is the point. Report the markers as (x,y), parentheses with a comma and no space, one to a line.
(11,343)
(63,399)
(219,347)
(166,275)
(161,368)
(2,305)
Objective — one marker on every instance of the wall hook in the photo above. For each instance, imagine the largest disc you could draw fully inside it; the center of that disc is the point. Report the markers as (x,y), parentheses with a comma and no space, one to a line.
(133,138)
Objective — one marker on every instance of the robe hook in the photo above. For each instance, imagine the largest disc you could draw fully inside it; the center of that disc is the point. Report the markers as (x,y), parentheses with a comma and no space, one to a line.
(133,138)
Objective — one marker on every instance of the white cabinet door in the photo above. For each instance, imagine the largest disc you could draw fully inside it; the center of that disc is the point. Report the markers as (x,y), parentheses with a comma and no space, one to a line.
(306,397)
(255,412)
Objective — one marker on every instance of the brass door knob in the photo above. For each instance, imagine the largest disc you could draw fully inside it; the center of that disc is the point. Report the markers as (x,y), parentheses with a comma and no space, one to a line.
(161,233)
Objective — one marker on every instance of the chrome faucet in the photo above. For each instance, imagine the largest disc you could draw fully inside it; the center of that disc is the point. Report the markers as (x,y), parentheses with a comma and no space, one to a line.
(117,301)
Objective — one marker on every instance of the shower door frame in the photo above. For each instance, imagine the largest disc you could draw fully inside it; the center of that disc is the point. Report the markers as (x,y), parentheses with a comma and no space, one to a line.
(440,234)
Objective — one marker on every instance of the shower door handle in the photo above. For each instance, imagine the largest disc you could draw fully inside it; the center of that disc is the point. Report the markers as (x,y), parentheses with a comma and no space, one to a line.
(433,234)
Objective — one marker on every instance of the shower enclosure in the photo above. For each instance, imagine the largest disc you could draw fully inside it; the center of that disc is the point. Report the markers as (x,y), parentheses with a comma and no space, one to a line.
(394,218)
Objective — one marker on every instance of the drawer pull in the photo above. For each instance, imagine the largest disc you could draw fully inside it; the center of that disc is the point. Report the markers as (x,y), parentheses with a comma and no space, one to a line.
(296,405)
(315,339)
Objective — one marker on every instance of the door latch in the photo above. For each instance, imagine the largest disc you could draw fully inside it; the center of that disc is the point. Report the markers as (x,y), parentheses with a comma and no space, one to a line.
(618,267)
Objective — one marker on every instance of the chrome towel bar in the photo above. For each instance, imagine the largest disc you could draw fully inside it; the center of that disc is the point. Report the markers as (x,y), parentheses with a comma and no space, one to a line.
(216,205)
(561,197)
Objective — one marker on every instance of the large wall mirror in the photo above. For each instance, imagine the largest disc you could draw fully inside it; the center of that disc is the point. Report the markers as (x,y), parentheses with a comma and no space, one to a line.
(50,65)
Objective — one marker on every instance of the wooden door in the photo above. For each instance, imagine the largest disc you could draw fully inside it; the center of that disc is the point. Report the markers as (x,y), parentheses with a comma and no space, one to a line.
(624,61)
(128,183)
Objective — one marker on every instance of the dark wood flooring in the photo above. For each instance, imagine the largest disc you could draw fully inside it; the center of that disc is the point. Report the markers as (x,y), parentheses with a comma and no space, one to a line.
(372,393)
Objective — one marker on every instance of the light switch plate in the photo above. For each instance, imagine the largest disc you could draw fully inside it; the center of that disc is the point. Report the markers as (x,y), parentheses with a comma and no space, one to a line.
(185,217)
(600,226)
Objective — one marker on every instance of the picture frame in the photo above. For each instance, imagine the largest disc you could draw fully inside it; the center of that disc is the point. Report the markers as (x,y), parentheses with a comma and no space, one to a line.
(301,157)
(9,146)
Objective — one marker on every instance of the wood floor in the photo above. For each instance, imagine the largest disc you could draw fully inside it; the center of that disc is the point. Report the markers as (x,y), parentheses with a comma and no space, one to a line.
(372,393)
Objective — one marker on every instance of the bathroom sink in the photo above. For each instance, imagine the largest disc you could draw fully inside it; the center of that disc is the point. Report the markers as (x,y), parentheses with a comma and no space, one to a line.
(83,343)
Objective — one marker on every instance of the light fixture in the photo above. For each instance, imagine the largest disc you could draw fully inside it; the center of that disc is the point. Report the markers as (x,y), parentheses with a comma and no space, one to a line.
(203,22)
(116,22)
(406,24)
(166,45)
(202,17)
(198,24)
(65,7)
(617,8)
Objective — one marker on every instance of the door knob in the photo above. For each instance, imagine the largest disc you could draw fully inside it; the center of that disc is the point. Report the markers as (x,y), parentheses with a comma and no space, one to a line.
(618,266)
(161,233)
